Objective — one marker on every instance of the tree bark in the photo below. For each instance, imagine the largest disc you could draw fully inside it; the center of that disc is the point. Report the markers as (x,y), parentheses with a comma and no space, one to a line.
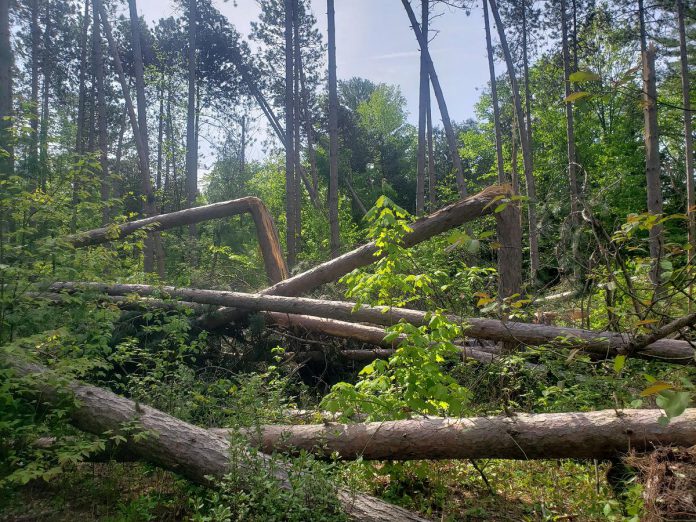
(103,136)
(297,122)
(601,343)
(688,131)
(445,219)
(6,112)
(265,229)
(446,121)
(290,198)
(197,454)
(35,35)
(526,146)
(602,434)
(47,60)
(191,148)
(500,162)
(570,123)
(335,232)
(422,113)
(432,176)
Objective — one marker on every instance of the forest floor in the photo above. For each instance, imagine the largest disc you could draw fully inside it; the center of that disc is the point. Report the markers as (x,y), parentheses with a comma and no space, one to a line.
(447,490)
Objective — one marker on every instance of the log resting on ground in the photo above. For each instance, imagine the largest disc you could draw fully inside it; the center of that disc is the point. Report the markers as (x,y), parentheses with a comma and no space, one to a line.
(189,450)
(601,343)
(583,435)
(273,259)
(444,219)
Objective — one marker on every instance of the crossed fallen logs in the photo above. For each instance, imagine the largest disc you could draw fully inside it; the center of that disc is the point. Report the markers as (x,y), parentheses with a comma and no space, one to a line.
(600,343)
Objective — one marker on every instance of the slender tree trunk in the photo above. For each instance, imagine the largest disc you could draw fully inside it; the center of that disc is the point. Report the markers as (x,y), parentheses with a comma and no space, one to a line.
(652,151)
(6,112)
(570,123)
(290,198)
(526,146)
(297,70)
(117,191)
(335,240)
(452,141)
(422,114)
(81,109)
(33,163)
(688,131)
(494,97)
(527,89)
(514,170)
(47,68)
(432,176)
(103,138)
(242,148)
(191,149)
(160,134)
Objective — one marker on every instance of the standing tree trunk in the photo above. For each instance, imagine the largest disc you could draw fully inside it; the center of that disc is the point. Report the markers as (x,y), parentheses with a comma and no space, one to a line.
(525,71)
(191,149)
(81,101)
(290,198)
(297,120)
(508,225)
(432,176)
(335,241)
(570,123)
(160,134)
(422,113)
(526,145)
(103,137)
(6,63)
(33,162)
(446,121)
(688,133)
(242,148)
(652,151)
(47,67)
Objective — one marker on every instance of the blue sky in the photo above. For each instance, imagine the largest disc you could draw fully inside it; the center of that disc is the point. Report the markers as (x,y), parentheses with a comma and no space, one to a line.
(374,40)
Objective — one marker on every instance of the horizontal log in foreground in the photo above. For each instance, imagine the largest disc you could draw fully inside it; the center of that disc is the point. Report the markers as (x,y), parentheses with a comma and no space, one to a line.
(273,259)
(581,435)
(445,219)
(189,450)
(600,343)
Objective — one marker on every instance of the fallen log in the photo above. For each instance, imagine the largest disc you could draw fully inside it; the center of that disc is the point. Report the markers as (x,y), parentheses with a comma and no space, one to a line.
(444,219)
(189,450)
(273,259)
(580,435)
(600,343)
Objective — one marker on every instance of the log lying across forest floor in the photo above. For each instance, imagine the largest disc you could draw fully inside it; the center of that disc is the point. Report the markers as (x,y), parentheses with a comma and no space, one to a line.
(273,259)
(581,435)
(193,452)
(600,343)
(423,229)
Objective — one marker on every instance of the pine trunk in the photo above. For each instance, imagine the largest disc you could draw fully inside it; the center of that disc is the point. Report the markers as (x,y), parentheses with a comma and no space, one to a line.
(103,137)
(290,199)
(6,112)
(191,149)
(335,240)
(422,114)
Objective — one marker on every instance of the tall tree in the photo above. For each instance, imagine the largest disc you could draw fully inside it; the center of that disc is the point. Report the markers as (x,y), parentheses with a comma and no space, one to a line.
(652,150)
(446,121)
(500,162)
(526,146)
(423,98)
(35,36)
(570,121)
(335,240)
(290,199)
(103,136)
(688,131)
(6,64)
(191,148)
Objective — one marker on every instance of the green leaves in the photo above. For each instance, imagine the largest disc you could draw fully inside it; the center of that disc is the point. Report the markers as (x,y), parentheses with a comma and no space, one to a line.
(576,96)
(673,402)
(584,76)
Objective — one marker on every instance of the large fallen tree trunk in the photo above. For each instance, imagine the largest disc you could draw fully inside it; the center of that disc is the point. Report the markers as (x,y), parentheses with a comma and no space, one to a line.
(273,259)
(444,219)
(581,435)
(193,452)
(601,343)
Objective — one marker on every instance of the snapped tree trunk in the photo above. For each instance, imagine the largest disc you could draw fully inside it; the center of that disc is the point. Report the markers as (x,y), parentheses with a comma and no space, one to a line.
(526,145)
(602,434)
(445,219)
(600,343)
(198,454)
(446,121)
(335,232)
(265,229)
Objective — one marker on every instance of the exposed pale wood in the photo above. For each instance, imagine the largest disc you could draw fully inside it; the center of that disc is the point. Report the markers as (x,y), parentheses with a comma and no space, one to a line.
(195,453)
(580,435)
(265,229)
(601,343)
